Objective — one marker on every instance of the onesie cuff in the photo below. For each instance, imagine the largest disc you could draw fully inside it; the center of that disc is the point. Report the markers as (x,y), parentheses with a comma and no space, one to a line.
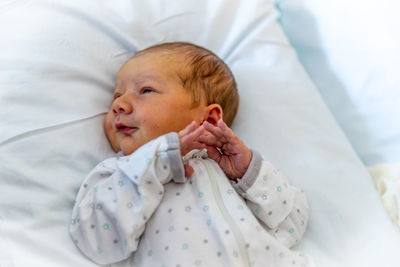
(175,158)
(251,174)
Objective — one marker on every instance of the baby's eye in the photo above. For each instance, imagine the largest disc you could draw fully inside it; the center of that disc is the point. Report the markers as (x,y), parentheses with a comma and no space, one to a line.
(147,90)
(116,95)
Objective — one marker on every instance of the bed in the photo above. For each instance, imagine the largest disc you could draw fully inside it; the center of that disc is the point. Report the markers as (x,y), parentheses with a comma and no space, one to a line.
(58,61)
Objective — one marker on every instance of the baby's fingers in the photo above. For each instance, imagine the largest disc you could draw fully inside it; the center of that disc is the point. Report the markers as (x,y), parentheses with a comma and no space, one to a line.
(227,132)
(188,170)
(191,136)
(210,140)
(217,132)
(189,141)
(189,128)
(221,131)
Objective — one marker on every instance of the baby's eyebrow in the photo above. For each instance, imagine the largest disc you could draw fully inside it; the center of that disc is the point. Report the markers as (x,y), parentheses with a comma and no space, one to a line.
(122,82)
(148,77)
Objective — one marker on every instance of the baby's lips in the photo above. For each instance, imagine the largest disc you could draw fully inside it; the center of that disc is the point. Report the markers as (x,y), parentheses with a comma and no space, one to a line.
(124,128)
(119,125)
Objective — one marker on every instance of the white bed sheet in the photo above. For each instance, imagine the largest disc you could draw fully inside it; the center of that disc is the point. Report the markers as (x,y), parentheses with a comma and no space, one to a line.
(57,69)
(350,50)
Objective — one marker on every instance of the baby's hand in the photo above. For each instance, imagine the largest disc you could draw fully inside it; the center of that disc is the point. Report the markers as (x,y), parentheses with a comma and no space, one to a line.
(223,146)
(188,141)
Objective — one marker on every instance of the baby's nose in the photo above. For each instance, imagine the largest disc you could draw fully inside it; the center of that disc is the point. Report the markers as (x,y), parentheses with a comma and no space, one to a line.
(122,106)
(119,110)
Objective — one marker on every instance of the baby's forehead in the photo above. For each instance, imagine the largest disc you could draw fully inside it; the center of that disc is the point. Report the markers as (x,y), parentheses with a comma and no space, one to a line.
(170,62)
(159,67)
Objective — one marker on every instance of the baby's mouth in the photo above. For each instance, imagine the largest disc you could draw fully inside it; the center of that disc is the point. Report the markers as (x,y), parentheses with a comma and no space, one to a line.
(124,128)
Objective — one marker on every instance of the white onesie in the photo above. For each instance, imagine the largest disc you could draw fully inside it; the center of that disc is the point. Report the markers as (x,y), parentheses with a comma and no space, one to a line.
(142,208)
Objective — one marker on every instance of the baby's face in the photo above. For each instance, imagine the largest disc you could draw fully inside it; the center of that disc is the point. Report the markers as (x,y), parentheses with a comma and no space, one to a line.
(149,101)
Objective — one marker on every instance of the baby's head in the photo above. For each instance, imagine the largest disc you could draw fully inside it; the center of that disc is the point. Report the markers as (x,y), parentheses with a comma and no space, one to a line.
(163,88)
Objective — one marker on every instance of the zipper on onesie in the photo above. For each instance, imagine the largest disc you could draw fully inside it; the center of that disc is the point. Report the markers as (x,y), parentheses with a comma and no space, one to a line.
(228,218)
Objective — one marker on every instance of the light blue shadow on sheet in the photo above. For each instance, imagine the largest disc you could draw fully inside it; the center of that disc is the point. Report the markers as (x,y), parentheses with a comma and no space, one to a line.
(307,43)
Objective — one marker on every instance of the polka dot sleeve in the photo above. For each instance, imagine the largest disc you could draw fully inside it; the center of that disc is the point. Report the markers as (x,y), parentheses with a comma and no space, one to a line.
(282,208)
(119,196)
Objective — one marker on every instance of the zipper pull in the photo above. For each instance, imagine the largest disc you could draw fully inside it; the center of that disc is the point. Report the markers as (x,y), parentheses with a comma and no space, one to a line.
(195,154)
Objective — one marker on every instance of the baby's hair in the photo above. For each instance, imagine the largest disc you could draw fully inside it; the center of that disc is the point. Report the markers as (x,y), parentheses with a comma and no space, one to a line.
(208,77)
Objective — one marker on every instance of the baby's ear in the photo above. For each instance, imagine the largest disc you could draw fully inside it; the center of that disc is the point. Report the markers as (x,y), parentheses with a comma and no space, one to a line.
(213,114)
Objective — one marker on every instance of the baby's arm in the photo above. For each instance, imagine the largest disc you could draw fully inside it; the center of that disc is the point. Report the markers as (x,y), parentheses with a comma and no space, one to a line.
(281,207)
(119,196)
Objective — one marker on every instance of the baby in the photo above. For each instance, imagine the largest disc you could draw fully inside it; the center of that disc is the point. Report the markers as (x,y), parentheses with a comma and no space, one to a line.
(184,190)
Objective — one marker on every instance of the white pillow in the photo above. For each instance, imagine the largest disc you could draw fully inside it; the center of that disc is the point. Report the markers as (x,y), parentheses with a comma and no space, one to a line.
(57,74)
(351,51)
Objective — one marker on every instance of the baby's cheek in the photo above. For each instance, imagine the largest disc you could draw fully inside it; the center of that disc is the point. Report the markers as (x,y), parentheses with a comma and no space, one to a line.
(163,127)
(110,133)
(149,129)
(108,129)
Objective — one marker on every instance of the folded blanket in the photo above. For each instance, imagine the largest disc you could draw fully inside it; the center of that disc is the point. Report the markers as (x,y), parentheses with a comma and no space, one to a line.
(386,178)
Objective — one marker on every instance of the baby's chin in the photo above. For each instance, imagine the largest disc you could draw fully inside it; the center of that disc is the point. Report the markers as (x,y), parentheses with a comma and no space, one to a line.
(128,146)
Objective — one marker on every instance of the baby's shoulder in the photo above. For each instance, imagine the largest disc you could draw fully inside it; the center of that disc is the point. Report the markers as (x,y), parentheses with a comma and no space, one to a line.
(108,163)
